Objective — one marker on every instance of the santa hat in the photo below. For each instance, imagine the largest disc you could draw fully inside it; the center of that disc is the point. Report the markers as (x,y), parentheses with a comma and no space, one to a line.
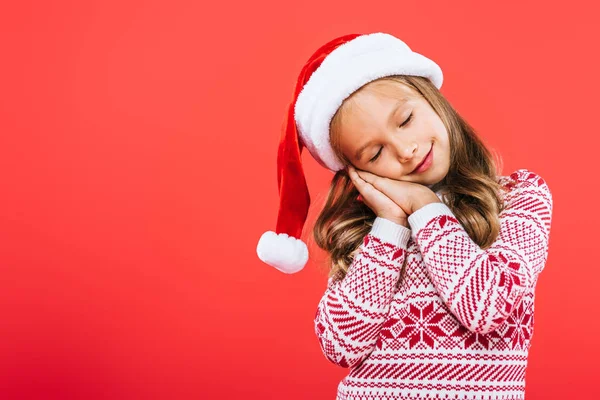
(333,73)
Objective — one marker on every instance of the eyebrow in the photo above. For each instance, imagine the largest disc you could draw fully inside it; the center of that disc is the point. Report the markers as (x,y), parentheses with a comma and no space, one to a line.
(362,148)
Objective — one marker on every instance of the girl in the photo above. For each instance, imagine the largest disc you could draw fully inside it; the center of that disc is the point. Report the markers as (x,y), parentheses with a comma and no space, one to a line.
(434,256)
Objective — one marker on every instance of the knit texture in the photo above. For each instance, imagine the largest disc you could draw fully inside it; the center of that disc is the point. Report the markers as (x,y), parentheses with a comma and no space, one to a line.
(459,326)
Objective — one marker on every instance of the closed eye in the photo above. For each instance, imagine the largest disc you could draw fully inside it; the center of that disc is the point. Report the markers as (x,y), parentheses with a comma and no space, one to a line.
(401,126)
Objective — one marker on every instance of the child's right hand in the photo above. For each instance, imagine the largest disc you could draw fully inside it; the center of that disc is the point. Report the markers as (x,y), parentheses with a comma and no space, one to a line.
(381,205)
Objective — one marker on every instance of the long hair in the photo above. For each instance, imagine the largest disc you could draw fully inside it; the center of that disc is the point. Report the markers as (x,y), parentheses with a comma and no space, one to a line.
(471,187)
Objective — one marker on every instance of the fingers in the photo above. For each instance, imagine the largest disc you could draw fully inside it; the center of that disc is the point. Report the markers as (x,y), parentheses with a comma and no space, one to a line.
(364,180)
(376,200)
(377,181)
(364,187)
(356,179)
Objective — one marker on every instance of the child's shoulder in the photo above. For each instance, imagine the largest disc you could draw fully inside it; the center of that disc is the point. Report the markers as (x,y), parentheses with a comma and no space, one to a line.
(522,177)
(525,179)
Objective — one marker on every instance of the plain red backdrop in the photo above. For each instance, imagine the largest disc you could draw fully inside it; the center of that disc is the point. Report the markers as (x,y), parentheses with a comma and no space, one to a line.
(138,170)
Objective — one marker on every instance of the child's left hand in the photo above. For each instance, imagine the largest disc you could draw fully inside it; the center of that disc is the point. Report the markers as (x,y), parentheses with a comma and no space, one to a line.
(408,195)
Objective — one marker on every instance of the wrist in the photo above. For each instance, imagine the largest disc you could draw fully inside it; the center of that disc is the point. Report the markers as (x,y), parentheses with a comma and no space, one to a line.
(422,202)
(397,220)
(391,231)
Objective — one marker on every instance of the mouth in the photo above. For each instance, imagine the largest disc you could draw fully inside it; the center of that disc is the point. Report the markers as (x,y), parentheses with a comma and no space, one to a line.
(425,162)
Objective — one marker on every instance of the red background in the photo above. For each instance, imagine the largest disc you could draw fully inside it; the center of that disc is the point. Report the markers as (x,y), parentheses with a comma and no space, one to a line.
(138,151)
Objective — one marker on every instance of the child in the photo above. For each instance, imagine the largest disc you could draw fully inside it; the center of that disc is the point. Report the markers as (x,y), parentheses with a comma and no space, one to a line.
(434,257)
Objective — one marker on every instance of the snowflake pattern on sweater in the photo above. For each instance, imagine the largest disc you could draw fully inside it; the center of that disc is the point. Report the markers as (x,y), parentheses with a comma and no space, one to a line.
(459,326)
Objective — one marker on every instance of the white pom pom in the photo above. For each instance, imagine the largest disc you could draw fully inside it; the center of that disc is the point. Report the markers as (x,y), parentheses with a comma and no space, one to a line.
(284,252)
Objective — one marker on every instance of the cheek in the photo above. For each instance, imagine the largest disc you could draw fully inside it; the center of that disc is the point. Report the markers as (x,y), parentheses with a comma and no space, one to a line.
(426,129)
(437,132)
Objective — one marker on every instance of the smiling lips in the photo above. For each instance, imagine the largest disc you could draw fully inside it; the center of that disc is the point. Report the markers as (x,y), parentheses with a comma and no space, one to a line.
(426,163)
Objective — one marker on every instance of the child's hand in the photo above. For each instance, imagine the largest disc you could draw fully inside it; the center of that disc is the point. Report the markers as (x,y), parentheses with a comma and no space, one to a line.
(381,205)
(409,196)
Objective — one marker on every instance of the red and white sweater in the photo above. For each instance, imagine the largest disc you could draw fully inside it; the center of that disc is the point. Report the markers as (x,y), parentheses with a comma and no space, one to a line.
(460,324)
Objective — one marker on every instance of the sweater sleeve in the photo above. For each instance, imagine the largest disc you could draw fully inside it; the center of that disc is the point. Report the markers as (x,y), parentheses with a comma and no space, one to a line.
(352,310)
(482,287)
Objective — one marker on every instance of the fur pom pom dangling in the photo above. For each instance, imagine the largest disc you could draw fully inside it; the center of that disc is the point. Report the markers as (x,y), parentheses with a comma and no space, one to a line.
(284,252)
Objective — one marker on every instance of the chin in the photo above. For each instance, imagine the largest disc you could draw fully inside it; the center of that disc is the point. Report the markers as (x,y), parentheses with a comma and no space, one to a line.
(430,181)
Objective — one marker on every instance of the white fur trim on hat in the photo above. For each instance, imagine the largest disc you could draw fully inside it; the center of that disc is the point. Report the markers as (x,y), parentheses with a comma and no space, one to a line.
(284,252)
(346,69)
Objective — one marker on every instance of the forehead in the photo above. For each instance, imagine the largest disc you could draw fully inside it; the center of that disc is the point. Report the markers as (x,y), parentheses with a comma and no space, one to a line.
(373,103)
(386,87)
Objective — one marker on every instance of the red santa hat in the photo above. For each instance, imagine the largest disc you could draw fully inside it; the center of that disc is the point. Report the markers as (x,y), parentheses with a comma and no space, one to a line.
(333,73)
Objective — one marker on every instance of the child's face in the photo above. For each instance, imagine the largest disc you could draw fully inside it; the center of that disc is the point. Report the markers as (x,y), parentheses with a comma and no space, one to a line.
(373,119)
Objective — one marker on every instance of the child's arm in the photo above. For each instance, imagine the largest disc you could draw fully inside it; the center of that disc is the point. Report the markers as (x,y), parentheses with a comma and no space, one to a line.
(350,314)
(482,287)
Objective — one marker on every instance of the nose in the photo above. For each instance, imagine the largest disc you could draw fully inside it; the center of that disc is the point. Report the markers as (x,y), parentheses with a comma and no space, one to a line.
(406,151)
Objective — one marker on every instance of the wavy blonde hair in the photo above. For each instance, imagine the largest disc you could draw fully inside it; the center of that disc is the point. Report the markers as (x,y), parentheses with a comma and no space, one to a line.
(471,186)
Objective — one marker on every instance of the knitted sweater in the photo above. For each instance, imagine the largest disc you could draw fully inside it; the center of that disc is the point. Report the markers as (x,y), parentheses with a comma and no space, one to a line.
(459,325)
